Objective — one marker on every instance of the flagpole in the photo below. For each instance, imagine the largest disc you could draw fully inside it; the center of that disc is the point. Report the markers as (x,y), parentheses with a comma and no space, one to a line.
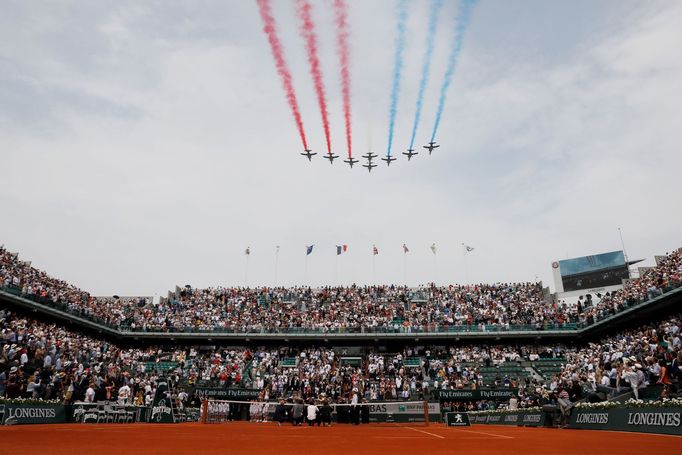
(435,269)
(276,263)
(466,270)
(405,268)
(305,273)
(336,269)
(374,268)
(246,273)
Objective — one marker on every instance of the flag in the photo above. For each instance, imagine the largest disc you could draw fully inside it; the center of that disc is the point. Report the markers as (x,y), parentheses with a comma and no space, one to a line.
(248,251)
(375,250)
(309,249)
(341,249)
(433,248)
(405,249)
(468,248)
(277,249)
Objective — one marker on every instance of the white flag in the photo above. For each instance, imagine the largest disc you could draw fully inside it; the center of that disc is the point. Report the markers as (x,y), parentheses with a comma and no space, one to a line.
(433,248)
(468,248)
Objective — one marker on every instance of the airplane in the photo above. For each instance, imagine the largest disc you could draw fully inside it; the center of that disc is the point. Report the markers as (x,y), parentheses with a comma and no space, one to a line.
(432,145)
(410,153)
(331,157)
(350,161)
(370,156)
(308,154)
(369,166)
(388,159)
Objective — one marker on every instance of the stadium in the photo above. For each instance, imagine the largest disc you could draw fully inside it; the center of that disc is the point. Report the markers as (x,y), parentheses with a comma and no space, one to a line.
(191,261)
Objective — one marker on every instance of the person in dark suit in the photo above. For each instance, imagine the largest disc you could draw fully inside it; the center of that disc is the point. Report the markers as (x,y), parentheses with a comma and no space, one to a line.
(280,413)
(365,411)
(326,414)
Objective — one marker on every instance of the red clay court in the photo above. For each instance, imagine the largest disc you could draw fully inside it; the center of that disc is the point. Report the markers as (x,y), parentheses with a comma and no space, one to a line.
(256,438)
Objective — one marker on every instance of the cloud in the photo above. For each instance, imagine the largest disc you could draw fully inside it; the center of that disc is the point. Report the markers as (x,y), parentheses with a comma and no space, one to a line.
(148,146)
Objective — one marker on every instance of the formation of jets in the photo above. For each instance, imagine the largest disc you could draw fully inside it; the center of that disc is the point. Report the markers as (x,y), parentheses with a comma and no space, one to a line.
(370,156)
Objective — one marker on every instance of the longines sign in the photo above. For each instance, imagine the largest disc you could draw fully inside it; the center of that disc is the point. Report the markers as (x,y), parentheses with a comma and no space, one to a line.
(29,413)
(645,420)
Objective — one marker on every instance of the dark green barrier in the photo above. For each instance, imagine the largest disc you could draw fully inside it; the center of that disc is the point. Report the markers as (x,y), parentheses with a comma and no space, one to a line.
(478,418)
(32,413)
(645,420)
(520,418)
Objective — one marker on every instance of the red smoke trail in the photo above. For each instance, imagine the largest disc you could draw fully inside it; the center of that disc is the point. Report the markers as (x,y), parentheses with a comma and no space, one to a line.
(342,40)
(304,9)
(269,27)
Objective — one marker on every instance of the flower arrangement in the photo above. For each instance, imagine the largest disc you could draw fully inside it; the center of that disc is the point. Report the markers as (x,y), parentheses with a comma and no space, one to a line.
(34,401)
(530,410)
(632,403)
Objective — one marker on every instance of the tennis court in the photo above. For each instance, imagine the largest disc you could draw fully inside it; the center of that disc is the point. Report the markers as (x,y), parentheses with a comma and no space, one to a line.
(256,438)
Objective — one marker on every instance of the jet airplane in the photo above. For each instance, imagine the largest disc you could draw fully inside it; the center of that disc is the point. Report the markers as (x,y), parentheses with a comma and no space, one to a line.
(432,145)
(369,166)
(370,156)
(351,161)
(410,153)
(331,157)
(308,154)
(388,159)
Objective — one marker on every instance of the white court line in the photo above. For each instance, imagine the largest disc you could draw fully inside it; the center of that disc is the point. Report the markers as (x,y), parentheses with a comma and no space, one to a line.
(487,434)
(425,432)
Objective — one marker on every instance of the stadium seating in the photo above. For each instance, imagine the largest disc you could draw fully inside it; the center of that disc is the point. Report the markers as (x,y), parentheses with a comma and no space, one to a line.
(479,308)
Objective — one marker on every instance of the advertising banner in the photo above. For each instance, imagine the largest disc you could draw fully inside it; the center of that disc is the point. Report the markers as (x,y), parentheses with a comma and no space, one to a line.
(520,418)
(478,394)
(457,419)
(33,413)
(162,410)
(227,394)
(645,420)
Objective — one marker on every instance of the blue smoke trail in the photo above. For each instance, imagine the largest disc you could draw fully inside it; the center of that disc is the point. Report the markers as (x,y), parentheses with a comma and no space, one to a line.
(436,5)
(462,23)
(397,70)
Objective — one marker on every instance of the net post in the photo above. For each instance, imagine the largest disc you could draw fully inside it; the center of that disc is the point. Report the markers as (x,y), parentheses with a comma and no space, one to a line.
(426,413)
(204,410)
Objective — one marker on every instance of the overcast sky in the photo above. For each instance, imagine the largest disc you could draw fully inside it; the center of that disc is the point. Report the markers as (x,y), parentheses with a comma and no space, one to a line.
(146,144)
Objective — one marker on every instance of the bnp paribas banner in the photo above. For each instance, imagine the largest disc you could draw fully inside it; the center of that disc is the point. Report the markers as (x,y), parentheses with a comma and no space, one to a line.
(645,420)
(478,394)
(17,414)
(403,412)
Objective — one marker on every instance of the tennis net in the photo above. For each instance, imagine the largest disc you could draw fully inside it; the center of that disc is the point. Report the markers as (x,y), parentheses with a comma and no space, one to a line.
(298,412)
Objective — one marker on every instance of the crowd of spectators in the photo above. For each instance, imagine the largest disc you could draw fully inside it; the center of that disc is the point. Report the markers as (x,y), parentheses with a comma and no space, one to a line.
(334,309)
(45,361)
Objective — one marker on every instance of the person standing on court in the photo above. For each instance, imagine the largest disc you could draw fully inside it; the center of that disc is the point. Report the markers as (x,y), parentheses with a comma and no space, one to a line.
(297,412)
(280,413)
(312,414)
(326,414)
